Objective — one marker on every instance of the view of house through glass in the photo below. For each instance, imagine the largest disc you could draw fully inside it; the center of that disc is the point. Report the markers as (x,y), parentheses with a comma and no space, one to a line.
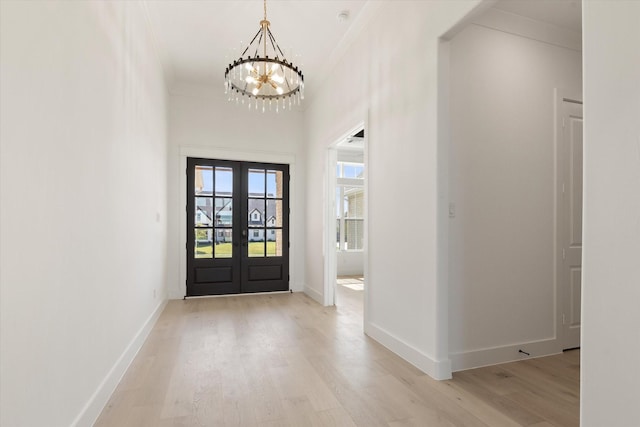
(265,213)
(214,212)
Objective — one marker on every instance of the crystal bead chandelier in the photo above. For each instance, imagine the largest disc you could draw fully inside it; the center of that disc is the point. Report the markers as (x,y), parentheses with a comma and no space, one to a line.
(268,81)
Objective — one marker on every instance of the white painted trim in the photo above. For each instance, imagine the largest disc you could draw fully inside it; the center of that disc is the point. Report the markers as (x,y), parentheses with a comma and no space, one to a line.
(237,155)
(530,28)
(365,243)
(98,400)
(503,354)
(178,291)
(314,295)
(442,208)
(439,370)
(328,245)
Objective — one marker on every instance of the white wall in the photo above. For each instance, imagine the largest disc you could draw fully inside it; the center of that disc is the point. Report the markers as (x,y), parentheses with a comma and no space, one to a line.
(350,263)
(390,75)
(83,215)
(202,124)
(611,227)
(502,289)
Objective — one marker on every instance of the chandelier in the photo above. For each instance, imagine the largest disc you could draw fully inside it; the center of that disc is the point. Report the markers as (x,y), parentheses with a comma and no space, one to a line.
(265,81)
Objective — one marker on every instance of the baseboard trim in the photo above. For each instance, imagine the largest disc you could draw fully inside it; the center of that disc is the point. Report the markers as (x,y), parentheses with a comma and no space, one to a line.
(313,294)
(509,353)
(100,397)
(439,370)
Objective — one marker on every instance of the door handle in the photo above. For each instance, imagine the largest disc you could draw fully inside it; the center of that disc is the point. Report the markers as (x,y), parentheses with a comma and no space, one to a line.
(244,233)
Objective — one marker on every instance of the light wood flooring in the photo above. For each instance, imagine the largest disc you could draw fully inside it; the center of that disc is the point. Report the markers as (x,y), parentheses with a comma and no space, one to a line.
(284,360)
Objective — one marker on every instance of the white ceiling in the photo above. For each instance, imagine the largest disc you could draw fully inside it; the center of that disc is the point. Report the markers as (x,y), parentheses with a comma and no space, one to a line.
(562,13)
(197,38)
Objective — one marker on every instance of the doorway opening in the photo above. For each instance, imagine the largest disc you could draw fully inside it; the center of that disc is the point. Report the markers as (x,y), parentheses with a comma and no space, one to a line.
(504,180)
(346,223)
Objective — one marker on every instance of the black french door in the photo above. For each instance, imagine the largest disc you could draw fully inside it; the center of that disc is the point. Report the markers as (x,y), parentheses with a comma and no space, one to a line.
(237,227)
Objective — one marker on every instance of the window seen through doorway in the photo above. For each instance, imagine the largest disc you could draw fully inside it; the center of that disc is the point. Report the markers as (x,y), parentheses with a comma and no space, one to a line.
(349,206)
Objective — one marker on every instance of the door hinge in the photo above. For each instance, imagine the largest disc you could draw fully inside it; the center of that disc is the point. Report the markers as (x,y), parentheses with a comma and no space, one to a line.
(564,124)
(564,321)
(563,189)
(564,254)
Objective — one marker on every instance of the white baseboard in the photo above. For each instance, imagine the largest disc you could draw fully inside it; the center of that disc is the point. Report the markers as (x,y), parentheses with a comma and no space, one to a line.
(509,353)
(313,294)
(439,370)
(100,397)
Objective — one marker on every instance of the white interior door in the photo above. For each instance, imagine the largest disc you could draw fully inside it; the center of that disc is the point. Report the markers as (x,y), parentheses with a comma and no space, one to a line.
(570,221)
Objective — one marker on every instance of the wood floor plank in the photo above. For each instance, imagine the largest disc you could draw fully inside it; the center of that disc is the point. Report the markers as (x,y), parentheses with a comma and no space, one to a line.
(284,360)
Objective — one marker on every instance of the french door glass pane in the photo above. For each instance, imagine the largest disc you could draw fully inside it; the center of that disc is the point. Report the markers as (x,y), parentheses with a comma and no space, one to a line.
(224,181)
(274,213)
(223,243)
(256,182)
(274,242)
(203,214)
(256,213)
(256,243)
(203,182)
(203,247)
(224,212)
(274,184)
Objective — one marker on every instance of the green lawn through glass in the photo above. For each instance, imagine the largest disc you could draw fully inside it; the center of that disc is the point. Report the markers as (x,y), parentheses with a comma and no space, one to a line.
(224,250)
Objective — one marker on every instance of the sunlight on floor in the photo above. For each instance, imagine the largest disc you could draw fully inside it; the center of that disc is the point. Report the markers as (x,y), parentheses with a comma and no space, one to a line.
(355,283)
